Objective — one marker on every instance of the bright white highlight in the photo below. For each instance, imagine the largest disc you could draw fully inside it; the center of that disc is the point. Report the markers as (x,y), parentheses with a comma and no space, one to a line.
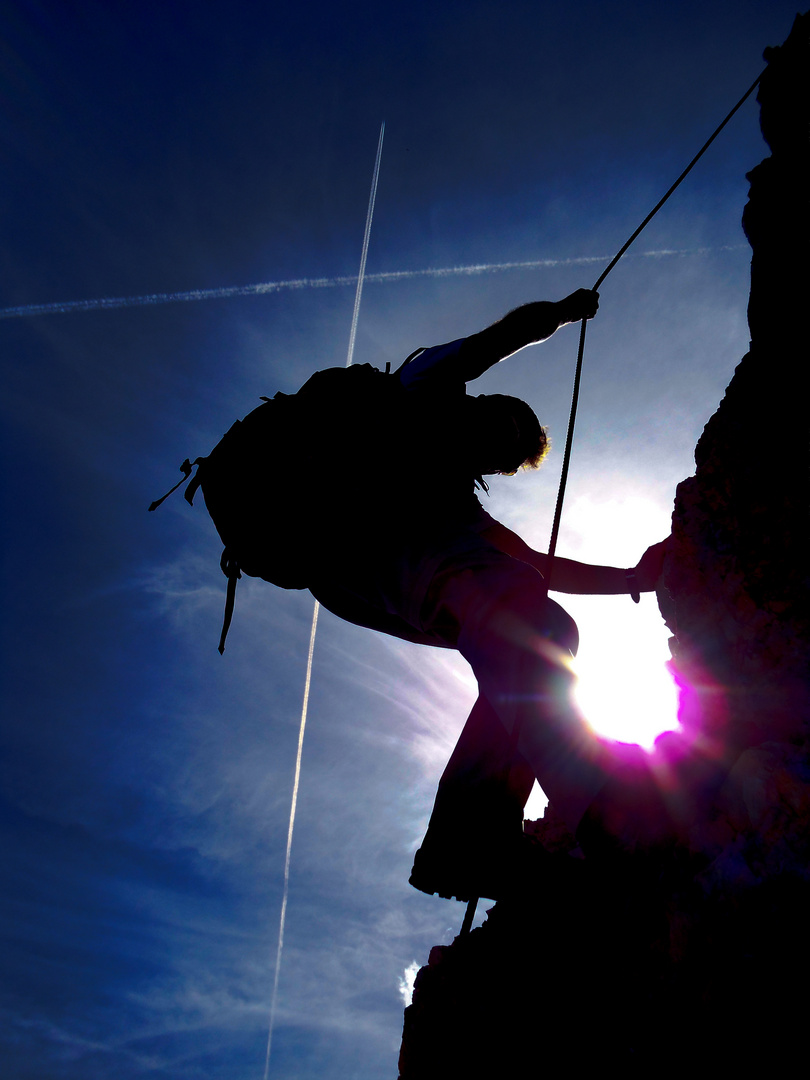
(262,288)
(625,690)
(293,805)
(406,981)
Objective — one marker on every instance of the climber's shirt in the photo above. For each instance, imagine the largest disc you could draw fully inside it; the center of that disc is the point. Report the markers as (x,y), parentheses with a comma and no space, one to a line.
(426,515)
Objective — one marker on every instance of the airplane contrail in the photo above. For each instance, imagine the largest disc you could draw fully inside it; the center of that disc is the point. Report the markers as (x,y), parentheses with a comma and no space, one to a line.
(108,303)
(361,276)
(288,849)
(315,610)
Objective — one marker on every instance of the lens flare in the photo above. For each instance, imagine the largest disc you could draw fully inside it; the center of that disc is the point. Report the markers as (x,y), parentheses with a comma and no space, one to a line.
(624,688)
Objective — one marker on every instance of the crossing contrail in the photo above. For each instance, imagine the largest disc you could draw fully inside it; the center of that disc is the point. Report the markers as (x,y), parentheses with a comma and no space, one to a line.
(262,288)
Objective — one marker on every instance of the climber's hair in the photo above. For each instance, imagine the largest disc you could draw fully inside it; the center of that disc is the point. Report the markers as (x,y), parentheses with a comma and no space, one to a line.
(530,442)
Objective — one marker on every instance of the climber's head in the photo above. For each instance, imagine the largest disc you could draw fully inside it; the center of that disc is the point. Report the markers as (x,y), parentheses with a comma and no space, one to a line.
(505,434)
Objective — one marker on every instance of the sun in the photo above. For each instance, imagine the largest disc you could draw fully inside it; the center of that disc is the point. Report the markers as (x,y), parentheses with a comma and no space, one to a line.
(624,688)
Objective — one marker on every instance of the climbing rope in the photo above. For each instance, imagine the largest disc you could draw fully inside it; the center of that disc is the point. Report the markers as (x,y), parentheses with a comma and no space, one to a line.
(555,529)
(469,915)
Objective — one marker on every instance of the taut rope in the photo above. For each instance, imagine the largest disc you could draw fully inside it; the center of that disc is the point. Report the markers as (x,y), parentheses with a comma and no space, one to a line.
(555,529)
(569,438)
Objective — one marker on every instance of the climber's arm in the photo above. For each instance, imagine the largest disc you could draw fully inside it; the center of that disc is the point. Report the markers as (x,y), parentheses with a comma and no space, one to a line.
(526,325)
(575,577)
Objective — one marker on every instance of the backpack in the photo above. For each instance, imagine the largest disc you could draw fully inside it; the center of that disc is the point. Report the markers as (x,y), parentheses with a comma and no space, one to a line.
(268,520)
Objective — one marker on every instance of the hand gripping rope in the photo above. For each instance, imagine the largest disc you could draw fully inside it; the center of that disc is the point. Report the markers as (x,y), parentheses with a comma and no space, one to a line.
(555,528)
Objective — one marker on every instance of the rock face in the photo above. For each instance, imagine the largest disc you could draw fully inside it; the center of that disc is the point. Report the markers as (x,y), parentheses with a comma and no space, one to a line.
(703,964)
(738,580)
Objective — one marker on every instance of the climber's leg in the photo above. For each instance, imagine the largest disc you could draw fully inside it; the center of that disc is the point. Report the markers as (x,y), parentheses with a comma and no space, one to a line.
(486,778)
(478,812)
(509,632)
(609,795)
(506,632)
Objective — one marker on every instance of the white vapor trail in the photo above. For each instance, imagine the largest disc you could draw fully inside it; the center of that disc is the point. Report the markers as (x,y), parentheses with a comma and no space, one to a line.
(364,254)
(262,288)
(293,805)
(317,607)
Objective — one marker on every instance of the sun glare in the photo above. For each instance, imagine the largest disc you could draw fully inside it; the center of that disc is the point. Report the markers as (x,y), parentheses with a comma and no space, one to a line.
(625,690)
(623,687)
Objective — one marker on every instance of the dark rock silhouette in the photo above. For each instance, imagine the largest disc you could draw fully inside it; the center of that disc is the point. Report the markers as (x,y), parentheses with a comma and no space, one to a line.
(701,963)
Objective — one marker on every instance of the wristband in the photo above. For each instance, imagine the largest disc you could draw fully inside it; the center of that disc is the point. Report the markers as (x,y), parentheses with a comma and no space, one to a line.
(632,585)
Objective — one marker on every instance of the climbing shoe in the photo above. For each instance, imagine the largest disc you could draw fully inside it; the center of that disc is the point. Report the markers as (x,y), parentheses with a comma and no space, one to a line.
(631,815)
(492,867)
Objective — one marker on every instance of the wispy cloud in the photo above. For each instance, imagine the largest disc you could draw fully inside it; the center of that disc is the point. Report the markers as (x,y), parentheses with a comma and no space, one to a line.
(107,303)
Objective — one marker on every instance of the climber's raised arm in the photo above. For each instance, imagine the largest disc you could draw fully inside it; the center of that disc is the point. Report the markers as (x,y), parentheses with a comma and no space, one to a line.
(571,576)
(526,325)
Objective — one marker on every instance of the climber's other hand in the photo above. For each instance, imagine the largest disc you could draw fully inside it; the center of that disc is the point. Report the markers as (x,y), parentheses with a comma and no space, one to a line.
(650,566)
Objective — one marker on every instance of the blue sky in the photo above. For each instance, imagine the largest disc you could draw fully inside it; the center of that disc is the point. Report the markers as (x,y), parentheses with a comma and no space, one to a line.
(159,148)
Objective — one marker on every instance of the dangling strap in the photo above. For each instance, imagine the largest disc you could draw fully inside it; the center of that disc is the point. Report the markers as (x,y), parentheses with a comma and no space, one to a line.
(191,490)
(185,469)
(230,568)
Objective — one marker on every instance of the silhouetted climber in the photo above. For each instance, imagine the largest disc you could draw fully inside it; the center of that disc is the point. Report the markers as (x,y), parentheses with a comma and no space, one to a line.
(406,548)
(434,567)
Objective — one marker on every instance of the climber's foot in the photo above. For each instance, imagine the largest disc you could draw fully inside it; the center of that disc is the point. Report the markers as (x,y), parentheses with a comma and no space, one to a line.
(630,816)
(495,868)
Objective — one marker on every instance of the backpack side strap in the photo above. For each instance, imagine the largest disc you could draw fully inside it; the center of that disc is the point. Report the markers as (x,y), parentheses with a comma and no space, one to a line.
(185,469)
(230,568)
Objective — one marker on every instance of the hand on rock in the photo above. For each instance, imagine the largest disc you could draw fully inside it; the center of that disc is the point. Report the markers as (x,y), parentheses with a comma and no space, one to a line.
(650,566)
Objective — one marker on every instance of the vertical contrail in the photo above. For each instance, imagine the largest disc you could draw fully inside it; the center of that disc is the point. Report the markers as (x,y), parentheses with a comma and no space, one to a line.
(293,805)
(308,677)
(366,237)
